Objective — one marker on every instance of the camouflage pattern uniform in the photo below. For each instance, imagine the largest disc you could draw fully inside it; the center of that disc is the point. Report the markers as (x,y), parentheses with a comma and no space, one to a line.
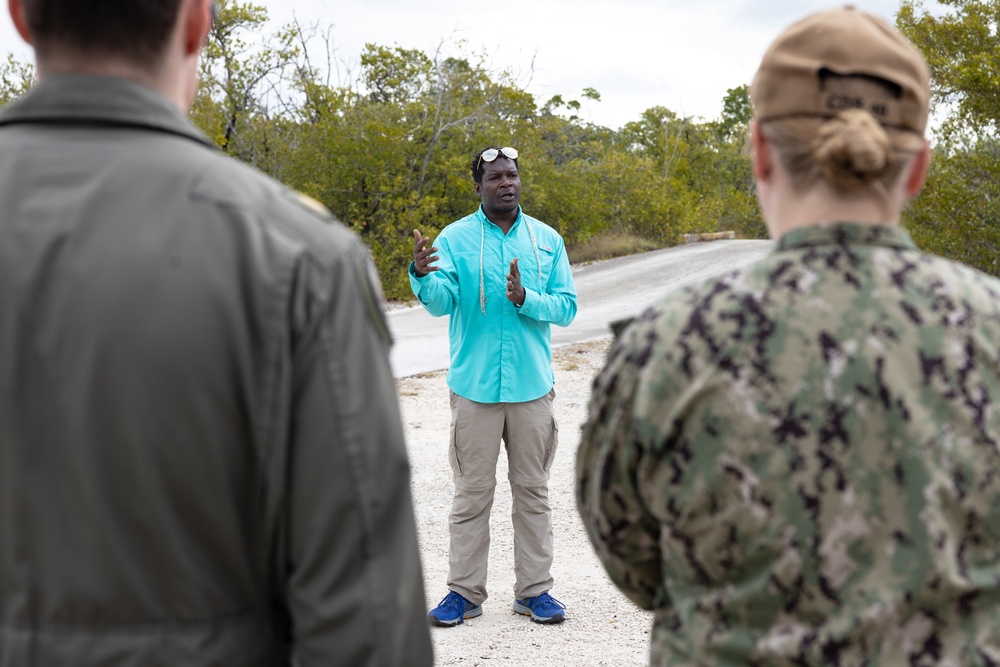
(797,463)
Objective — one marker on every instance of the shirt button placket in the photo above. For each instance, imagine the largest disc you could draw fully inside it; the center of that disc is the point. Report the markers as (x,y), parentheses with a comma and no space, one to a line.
(505,371)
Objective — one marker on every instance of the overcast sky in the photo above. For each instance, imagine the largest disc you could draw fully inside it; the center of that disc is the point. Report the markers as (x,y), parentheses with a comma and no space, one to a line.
(635,53)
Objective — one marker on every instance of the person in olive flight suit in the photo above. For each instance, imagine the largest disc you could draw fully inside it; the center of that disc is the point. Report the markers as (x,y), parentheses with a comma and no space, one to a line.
(201,455)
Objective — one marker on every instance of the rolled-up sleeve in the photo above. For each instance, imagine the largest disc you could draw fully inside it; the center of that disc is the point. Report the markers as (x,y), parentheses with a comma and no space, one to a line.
(557,304)
(438,290)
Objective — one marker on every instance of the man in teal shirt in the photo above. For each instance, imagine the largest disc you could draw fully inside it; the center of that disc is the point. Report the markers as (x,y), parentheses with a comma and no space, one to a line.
(503,278)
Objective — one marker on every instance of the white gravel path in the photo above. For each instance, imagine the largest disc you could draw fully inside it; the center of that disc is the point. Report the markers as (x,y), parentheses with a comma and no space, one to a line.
(602,627)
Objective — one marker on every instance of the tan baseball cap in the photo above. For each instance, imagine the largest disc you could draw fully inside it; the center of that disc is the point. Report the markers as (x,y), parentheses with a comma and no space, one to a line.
(840,59)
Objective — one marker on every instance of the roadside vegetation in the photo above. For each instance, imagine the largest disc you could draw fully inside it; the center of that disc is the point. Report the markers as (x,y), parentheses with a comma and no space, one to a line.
(958,215)
(386,143)
(607,246)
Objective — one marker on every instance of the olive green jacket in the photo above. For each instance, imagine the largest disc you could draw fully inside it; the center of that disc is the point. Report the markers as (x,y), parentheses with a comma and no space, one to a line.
(201,456)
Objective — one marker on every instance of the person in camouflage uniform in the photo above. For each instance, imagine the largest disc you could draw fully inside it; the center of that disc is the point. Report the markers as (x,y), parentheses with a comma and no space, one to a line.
(797,463)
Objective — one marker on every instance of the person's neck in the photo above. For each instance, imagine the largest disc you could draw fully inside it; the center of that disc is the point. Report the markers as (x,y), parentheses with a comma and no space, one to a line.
(820,204)
(505,221)
(172,87)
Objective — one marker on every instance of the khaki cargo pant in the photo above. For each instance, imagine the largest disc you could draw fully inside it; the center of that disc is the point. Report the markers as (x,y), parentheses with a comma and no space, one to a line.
(530,434)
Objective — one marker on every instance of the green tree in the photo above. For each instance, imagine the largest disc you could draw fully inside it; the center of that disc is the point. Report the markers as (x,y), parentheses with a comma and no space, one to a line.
(241,80)
(736,113)
(706,184)
(16,78)
(391,153)
(960,42)
(958,213)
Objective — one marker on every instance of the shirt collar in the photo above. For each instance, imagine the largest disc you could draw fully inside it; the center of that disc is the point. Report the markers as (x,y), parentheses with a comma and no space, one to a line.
(846,233)
(99,100)
(481,216)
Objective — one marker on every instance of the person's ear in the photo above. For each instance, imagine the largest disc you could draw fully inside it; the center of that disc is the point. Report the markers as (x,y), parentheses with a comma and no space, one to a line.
(761,155)
(197,24)
(16,8)
(918,170)
(478,188)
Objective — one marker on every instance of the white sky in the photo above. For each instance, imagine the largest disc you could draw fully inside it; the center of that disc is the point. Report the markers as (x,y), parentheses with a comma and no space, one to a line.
(635,53)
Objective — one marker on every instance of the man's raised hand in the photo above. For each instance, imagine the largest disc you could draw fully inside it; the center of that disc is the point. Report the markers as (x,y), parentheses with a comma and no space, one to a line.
(515,292)
(423,255)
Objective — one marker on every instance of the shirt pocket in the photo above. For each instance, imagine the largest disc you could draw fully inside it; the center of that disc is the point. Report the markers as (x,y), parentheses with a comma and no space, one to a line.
(531,277)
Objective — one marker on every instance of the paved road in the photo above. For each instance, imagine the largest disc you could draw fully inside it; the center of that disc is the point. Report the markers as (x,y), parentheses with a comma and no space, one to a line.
(607,291)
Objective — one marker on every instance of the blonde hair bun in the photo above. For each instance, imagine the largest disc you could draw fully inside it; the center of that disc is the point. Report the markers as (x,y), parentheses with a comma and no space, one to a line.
(852,149)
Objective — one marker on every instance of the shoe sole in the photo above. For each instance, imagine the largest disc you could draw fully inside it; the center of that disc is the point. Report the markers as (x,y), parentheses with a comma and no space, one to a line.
(549,620)
(471,613)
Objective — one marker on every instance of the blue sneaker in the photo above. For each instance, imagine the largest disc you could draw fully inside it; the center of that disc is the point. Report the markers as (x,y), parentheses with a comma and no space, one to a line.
(452,610)
(542,608)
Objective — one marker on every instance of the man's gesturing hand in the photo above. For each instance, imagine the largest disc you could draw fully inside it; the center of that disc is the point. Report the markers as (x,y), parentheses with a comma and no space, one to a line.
(423,255)
(515,292)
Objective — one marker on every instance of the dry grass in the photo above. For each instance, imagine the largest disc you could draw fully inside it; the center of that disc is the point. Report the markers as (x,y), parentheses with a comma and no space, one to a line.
(608,245)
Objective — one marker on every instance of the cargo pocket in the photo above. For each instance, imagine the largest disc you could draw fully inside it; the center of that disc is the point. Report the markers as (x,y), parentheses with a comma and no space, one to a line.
(453,457)
(550,453)
(551,445)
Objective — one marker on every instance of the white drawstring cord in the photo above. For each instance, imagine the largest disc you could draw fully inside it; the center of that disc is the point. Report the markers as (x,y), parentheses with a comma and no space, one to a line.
(534,246)
(482,279)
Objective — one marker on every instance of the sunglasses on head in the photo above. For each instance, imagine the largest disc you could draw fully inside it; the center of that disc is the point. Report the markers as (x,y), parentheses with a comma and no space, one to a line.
(493,153)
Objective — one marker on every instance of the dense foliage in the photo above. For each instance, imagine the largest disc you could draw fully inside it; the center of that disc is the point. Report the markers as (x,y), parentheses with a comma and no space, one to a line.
(388,148)
(958,213)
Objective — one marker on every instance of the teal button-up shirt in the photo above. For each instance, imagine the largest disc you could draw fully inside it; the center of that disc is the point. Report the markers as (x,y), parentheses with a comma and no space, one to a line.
(504,355)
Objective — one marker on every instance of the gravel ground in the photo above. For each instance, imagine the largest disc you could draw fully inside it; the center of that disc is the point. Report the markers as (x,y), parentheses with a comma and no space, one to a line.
(602,627)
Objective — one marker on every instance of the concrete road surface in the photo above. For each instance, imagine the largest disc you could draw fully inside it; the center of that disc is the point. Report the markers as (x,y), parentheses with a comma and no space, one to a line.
(607,291)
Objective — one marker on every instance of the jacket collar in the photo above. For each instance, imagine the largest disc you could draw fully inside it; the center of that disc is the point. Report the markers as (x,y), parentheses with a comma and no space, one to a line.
(847,233)
(101,101)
